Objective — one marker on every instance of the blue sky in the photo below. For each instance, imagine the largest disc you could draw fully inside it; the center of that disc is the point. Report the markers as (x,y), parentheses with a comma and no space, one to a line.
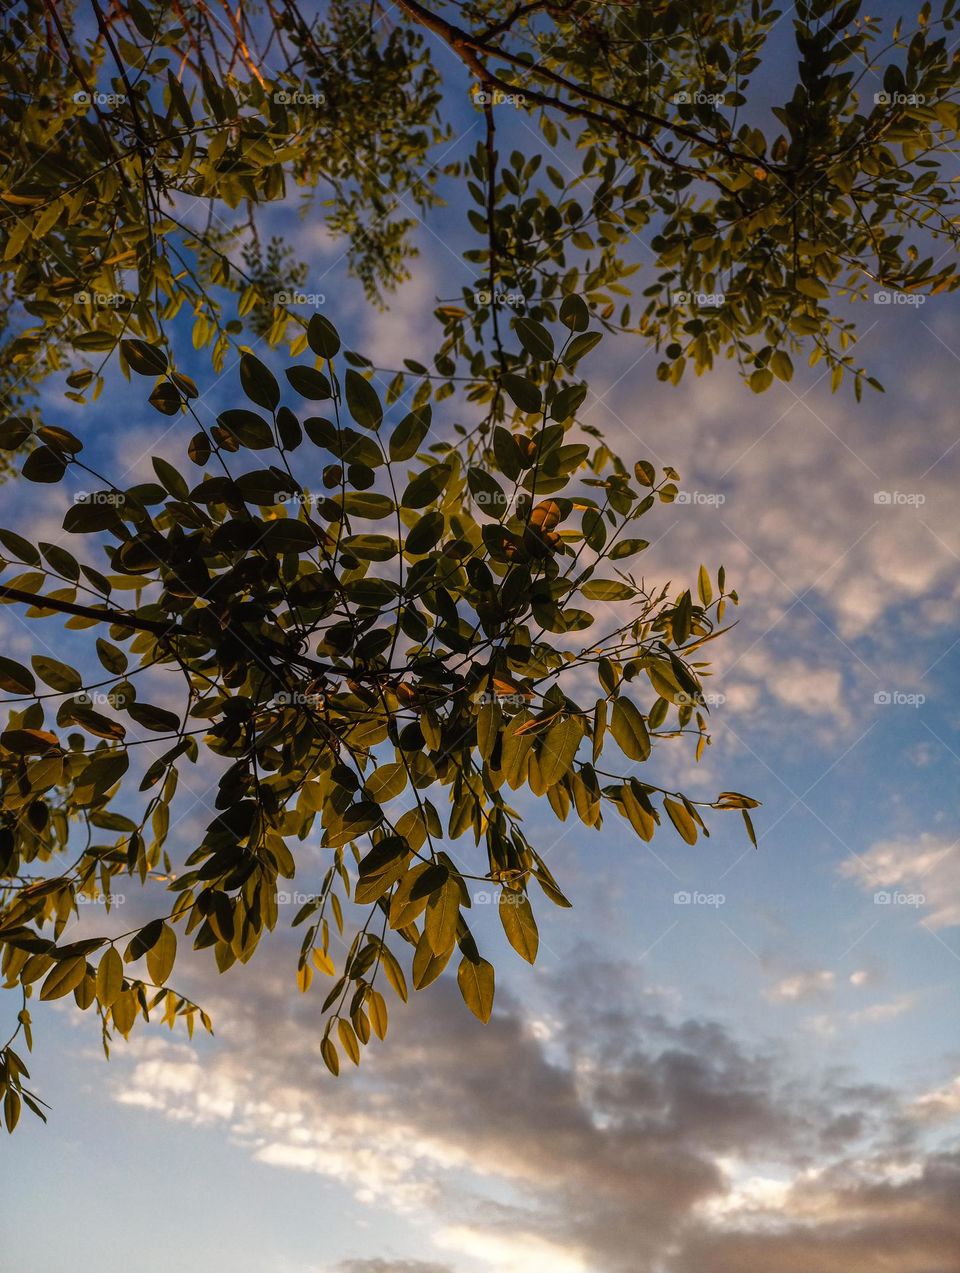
(765,1076)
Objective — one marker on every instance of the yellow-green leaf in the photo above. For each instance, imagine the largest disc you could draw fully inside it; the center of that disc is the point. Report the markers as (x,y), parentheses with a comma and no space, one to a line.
(476,979)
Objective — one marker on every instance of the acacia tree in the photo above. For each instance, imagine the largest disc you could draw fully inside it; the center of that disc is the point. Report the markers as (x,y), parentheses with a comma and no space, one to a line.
(380,629)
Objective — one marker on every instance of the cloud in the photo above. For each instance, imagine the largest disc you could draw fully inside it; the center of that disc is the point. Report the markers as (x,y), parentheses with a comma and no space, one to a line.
(923,867)
(621,1138)
(804,985)
(939,1105)
(391,1266)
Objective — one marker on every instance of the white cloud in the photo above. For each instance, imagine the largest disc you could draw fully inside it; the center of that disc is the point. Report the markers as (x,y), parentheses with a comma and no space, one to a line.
(517,1252)
(925,866)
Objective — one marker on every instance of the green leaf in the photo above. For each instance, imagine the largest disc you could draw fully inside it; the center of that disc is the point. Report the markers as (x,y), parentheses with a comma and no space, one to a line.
(427,965)
(348,1040)
(426,486)
(157,719)
(579,346)
(14,431)
(628,728)
(259,383)
(44,465)
(409,433)
(331,1060)
(607,590)
(144,359)
(681,819)
(558,750)
(523,392)
(14,678)
(627,548)
(250,429)
(535,338)
(425,534)
(363,401)
(57,675)
(516,916)
(476,979)
(489,724)
(110,977)
(440,921)
(171,480)
(63,977)
(574,313)
(368,504)
(161,956)
(808,286)
(309,383)
(322,336)
(112,658)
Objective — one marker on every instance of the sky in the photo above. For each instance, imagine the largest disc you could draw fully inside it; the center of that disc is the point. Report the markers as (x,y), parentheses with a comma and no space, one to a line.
(726,1059)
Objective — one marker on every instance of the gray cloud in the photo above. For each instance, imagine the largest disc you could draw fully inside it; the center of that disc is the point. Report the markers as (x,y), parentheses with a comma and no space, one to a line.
(621,1138)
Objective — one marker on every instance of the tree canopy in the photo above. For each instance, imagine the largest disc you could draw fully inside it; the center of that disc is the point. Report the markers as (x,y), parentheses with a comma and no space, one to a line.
(380,626)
